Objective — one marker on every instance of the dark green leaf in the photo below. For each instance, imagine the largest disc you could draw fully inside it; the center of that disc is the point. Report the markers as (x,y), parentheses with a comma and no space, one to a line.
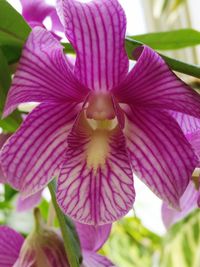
(11,123)
(13,28)
(9,192)
(170,40)
(12,53)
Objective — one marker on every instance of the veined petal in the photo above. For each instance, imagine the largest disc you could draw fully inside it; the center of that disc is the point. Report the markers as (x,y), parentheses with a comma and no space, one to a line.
(97,31)
(3,138)
(191,128)
(160,154)
(24,204)
(92,237)
(151,84)
(91,259)
(10,245)
(188,202)
(32,156)
(188,124)
(95,185)
(43,73)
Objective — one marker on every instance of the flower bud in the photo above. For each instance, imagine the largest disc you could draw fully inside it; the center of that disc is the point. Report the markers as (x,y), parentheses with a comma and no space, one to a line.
(42,248)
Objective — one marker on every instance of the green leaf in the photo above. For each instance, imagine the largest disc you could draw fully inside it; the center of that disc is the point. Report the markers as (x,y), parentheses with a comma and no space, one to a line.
(13,28)
(9,192)
(170,40)
(12,53)
(177,65)
(70,237)
(12,122)
(182,242)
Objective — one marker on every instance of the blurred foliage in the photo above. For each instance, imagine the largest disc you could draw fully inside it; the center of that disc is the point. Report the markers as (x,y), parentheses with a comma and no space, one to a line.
(167,6)
(132,245)
(181,245)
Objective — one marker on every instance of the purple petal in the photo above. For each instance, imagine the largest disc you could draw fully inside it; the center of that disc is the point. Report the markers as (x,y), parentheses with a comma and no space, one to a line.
(188,202)
(152,84)
(91,237)
(95,185)
(43,73)
(24,204)
(56,23)
(33,155)
(3,138)
(188,124)
(97,31)
(10,245)
(91,259)
(191,128)
(35,10)
(160,154)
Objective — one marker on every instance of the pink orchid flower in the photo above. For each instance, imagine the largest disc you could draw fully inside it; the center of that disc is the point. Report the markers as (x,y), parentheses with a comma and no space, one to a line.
(190,200)
(46,249)
(97,123)
(36,11)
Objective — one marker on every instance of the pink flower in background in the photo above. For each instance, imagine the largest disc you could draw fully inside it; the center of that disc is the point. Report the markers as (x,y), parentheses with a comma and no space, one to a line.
(190,200)
(36,11)
(97,123)
(46,248)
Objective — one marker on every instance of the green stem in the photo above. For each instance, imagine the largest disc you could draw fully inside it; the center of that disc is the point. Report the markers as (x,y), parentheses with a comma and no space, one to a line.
(66,233)
(177,65)
(51,214)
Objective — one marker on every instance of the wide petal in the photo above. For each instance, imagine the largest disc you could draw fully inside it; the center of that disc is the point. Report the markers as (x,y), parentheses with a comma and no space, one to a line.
(10,245)
(97,30)
(95,185)
(32,156)
(160,154)
(43,73)
(24,204)
(91,259)
(92,237)
(188,202)
(151,84)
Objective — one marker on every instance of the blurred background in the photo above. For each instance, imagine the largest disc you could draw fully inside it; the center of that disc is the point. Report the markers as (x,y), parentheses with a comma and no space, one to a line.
(140,239)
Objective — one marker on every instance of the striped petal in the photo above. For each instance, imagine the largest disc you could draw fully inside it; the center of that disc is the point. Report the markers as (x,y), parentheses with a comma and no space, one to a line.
(32,156)
(91,259)
(152,84)
(161,156)
(188,124)
(24,204)
(43,73)
(95,185)
(188,202)
(92,237)
(3,138)
(191,128)
(97,30)
(10,245)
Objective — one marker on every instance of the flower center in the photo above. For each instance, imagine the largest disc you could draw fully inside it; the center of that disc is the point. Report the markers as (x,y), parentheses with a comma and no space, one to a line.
(100,107)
